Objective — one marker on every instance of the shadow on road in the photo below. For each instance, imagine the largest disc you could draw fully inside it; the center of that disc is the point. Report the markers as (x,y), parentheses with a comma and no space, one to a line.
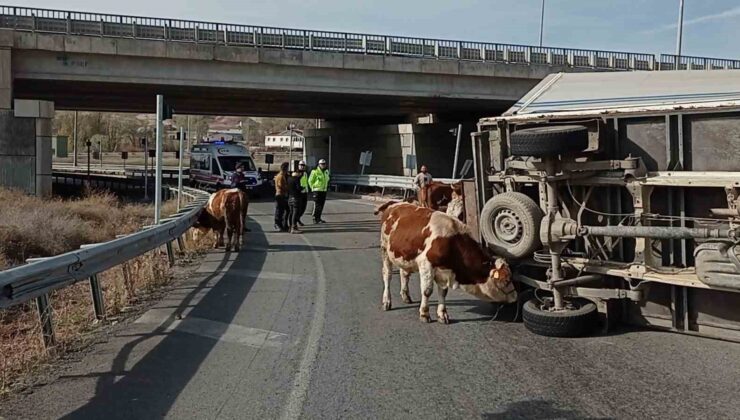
(150,388)
(537,410)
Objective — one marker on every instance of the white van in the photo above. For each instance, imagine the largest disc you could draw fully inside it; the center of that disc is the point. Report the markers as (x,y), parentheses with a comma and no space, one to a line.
(211,165)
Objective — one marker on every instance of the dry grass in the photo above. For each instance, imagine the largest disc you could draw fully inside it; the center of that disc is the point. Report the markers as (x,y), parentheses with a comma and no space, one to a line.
(30,227)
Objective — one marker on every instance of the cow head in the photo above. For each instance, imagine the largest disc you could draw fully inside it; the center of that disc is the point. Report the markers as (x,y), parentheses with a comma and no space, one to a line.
(498,287)
(201,225)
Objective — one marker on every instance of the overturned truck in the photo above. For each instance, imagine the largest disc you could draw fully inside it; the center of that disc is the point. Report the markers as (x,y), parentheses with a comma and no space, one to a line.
(617,194)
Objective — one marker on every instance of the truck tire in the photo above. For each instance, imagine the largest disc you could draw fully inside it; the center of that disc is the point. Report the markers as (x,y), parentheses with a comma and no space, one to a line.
(549,141)
(575,322)
(510,224)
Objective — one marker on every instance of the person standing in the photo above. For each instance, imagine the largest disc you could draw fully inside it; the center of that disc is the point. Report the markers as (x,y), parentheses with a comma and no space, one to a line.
(294,200)
(422,181)
(304,191)
(318,181)
(281,198)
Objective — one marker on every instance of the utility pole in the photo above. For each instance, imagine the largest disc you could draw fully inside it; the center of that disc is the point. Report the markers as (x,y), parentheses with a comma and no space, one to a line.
(179,169)
(89,146)
(679,34)
(74,141)
(158,170)
(542,20)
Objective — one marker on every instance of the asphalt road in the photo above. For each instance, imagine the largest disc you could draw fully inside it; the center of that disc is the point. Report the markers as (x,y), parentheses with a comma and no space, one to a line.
(292,327)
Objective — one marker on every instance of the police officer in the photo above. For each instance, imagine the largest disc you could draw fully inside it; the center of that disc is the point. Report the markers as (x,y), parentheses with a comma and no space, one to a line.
(304,191)
(319,183)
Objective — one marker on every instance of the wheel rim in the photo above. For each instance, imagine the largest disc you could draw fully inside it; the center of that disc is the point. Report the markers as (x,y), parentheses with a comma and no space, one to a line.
(508,227)
(548,305)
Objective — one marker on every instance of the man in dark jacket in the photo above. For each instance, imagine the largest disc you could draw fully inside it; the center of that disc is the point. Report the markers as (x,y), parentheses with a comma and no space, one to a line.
(281,198)
(294,200)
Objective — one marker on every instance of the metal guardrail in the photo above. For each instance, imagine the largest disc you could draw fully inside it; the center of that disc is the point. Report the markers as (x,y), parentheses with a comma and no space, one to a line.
(382,181)
(41,276)
(107,25)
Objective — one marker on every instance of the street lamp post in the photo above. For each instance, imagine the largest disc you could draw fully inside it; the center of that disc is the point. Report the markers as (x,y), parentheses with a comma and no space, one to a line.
(542,21)
(679,34)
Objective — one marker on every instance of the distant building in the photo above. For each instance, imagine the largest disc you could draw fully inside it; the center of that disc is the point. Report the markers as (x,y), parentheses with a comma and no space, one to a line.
(234,134)
(282,139)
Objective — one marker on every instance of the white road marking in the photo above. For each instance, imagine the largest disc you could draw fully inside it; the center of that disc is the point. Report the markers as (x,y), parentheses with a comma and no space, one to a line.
(221,331)
(256,274)
(299,391)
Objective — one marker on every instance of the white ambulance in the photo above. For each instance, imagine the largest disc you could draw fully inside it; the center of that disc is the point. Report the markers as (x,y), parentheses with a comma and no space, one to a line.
(212,163)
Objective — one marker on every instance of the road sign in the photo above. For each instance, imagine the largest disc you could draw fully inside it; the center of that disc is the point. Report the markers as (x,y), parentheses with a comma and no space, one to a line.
(411,162)
(366,158)
(466,167)
(124,155)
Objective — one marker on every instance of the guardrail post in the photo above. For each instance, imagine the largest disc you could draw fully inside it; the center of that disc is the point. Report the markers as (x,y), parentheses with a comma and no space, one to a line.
(388,46)
(632,62)
(196,33)
(102,27)
(483,52)
(69,23)
(97,297)
(33,22)
(45,317)
(181,244)
(436,49)
(459,50)
(133,29)
(310,41)
(170,253)
(364,44)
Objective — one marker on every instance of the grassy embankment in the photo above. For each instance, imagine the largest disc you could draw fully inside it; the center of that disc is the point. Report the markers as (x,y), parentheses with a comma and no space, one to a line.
(31,227)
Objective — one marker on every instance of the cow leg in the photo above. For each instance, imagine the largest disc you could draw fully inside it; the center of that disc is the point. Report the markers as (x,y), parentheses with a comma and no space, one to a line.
(442,316)
(219,237)
(387,273)
(405,277)
(229,233)
(427,287)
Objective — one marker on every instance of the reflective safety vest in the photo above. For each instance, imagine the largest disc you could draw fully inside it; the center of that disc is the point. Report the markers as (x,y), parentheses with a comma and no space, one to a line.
(319,180)
(304,182)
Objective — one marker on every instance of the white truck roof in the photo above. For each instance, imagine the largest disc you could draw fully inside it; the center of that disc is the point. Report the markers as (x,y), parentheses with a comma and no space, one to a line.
(569,95)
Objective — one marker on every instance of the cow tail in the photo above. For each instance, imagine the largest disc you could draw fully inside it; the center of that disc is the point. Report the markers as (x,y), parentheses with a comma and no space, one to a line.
(383,207)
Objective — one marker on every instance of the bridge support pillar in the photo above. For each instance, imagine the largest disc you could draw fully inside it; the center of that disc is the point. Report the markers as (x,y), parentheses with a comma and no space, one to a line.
(25,146)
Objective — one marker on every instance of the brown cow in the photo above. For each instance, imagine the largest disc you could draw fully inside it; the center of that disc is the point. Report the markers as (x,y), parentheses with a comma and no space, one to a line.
(442,250)
(226,210)
(436,195)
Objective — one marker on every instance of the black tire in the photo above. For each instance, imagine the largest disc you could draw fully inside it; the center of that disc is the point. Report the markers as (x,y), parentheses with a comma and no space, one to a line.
(549,141)
(575,322)
(510,224)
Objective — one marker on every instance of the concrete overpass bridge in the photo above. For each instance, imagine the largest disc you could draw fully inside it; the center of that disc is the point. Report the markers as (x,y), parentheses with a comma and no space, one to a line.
(89,61)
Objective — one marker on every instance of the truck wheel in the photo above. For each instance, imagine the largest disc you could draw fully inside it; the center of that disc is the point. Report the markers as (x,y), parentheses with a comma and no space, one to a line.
(578,320)
(549,141)
(510,224)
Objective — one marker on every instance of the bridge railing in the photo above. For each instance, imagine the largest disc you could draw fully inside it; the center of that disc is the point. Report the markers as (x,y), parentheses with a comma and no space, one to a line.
(674,62)
(40,276)
(100,24)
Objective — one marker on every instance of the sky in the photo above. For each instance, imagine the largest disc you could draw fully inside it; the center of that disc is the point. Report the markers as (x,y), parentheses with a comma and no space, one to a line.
(711,27)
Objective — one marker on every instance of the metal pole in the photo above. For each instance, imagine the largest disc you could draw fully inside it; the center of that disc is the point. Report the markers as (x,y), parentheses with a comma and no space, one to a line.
(542,20)
(47,325)
(100,150)
(74,141)
(97,297)
(679,34)
(158,169)
(146,168)
(179,170)
(328,159)
(457,151)
(290,148)
(188,131)
(89,144)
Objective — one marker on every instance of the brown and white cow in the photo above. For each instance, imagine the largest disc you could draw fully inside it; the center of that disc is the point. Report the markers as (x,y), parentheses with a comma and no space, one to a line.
(441,249)
(226,210)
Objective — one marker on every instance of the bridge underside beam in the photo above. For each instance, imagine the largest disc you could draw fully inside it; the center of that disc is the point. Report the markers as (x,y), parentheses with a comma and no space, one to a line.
(120,97)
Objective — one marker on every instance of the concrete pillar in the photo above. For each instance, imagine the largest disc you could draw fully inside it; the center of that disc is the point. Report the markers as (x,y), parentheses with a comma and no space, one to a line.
(25,146)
